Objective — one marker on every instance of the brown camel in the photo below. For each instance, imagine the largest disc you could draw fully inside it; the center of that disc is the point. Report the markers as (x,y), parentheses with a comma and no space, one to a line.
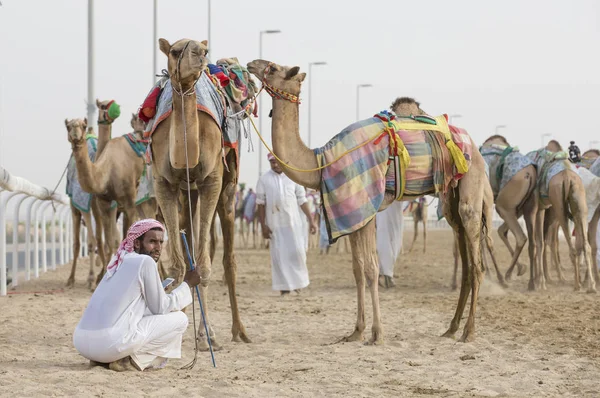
(419,210)
(513,190)
(77,216)
(113,176)
(566,194)
(177,160)
(463,208)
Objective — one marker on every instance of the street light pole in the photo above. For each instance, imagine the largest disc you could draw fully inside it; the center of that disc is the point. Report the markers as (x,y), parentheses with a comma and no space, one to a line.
(260,102)
(209,41)
(500,126)
(91,107)
(358,86)
(310,64)
(154,40)
(594,142)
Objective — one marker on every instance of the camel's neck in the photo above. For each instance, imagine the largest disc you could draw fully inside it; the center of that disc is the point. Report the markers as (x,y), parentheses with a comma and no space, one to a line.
(288,145)
(92,177)
(104,135)
(184,121)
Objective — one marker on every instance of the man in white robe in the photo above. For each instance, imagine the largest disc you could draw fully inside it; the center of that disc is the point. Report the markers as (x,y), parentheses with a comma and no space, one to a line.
(279,201)
(390,225)
(130,322)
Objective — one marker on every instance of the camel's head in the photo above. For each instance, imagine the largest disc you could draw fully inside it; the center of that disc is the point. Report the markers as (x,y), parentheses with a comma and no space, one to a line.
(137,124)
(406,106)
(495,140)
(76,131)
(554,146)
(186,59)
(283,78)
(591,154)
(108,111)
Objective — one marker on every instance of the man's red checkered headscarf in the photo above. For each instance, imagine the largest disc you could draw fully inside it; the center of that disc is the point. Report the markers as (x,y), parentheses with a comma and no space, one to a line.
(135,231)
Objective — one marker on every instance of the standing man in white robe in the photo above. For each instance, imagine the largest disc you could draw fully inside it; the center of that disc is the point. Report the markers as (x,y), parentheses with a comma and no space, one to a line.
(390,225)
(278,199)
(130,322)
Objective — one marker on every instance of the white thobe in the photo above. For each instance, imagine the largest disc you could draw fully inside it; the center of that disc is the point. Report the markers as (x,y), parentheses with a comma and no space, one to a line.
(390,225)
(282,198)
(130,314)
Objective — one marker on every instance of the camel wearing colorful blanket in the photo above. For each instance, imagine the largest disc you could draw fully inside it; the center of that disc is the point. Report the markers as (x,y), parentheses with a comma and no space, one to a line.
(462,208)
(178,160)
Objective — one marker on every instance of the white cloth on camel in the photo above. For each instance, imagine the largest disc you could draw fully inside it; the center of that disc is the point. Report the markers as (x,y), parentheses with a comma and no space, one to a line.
(282,198)
(390,225)
(130,314)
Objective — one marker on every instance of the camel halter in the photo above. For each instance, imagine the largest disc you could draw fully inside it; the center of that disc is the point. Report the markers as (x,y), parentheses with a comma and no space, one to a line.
(275,92)
(106,119)
(191,91)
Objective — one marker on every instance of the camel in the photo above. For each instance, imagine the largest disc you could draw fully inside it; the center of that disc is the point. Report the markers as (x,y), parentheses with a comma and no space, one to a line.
(462,209)
(418,210)
(113,176)
(513,180)
(78,214)
(566,194)
(177,161)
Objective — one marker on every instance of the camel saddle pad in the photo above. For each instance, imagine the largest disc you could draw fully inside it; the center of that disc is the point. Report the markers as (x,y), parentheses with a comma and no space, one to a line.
(503,163)
(208,100)
(548,165)
(353,186)
(595,168)
(79,198)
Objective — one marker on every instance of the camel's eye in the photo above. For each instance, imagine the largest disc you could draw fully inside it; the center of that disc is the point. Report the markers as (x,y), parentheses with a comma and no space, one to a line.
(175,53)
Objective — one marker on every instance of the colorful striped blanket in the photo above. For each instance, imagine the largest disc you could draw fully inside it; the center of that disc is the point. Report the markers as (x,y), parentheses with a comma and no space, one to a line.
(353,186)
(548,165)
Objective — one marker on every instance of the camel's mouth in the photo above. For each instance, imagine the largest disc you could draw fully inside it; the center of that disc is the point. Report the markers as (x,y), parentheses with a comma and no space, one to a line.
(253,67)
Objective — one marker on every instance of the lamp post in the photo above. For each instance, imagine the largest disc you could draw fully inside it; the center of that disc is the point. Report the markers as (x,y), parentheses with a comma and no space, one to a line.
(154,39)
(500,126)
(358,86)
(91,105)
(260,102)
(543,136)
(452,117)
(310,64)
(594,142)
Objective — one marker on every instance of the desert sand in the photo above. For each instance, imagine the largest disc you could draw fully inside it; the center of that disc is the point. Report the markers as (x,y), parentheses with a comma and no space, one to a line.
(527,344)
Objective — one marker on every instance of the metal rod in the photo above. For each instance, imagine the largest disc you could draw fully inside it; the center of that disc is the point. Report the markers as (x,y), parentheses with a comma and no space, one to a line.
(154,40)
(91,107)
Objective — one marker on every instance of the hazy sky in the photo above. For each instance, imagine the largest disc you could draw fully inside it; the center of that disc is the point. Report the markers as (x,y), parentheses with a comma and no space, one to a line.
(531,65)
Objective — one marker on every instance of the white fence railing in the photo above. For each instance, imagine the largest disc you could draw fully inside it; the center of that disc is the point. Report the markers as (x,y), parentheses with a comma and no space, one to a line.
(39,203)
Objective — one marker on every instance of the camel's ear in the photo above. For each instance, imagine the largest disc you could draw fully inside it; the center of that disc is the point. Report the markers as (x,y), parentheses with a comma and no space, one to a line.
(164,46)
(84,123)
(97,103)
(292,72)
(205,43)
(300,77)
(66,122)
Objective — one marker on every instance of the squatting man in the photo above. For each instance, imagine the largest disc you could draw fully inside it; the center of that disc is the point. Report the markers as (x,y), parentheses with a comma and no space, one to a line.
(130,322)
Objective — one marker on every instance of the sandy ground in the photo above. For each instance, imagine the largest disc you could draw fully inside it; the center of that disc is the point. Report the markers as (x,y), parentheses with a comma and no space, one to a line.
(527,344)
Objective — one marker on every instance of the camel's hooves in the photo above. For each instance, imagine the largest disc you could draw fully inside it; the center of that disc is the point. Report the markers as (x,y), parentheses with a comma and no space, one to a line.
(374,341)
(70,283)
(592,290)
(203,345)
(353,337)
(241,337)
(522,270)
(467,337)
(449,334)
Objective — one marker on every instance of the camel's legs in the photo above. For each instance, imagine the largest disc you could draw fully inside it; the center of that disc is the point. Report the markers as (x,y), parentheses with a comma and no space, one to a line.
(371,266)
(550,230)
(209,191)
(536,279)
(592,230)
(76,214)
(361,252)
(91,246)
(102,254)
(166,195)
(416,233)
(455,253)
(530,212)
(424,233)
(226,215)
(109,225)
